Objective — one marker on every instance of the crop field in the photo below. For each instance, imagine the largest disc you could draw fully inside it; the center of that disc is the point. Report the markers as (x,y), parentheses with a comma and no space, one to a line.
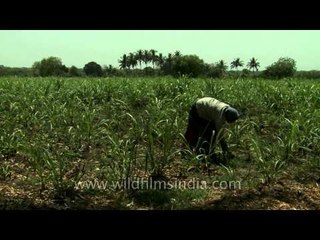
(118,143)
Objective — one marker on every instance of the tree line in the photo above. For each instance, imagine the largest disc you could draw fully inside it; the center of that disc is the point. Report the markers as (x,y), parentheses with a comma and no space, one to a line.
(152,63)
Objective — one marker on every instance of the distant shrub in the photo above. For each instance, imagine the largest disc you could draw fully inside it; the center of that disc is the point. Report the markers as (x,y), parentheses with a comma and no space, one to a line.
(51,66)
(284,67)
(188,65)
(93,69)
(74,72)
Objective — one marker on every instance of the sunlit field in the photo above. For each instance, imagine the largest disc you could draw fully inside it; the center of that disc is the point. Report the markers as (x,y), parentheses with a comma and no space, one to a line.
(118,143)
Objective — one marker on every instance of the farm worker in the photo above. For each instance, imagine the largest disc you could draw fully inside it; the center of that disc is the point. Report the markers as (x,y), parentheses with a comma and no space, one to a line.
(207,118)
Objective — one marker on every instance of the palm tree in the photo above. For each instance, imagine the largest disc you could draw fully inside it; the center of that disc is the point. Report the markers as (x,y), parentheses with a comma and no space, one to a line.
(169,59)
(123,62)
(146,57)
(236,63)
(160,60)
(153,56)
(253,64)
(221,64)
(139,56)
(168,63)
(177,54)
(132,61)
(222,67)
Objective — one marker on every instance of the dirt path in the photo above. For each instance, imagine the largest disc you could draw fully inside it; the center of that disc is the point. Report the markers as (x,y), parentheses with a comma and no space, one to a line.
(283,195)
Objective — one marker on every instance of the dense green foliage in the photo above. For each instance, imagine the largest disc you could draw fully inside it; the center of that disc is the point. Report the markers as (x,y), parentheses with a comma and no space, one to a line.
(93,69)
(189,65)
(145,63)
(284,67)
(51,66)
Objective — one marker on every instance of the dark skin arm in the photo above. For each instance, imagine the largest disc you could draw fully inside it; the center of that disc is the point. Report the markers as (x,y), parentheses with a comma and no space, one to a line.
(222,141)
(225,148)
(224,145)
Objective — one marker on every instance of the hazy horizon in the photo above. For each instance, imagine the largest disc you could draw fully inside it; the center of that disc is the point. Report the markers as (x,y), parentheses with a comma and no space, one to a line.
(21,48)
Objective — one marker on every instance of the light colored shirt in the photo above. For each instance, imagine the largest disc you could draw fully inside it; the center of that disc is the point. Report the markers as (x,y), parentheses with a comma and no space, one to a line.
(212,109)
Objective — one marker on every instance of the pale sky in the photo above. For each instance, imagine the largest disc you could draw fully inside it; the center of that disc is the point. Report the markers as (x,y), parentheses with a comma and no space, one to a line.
(21,48)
